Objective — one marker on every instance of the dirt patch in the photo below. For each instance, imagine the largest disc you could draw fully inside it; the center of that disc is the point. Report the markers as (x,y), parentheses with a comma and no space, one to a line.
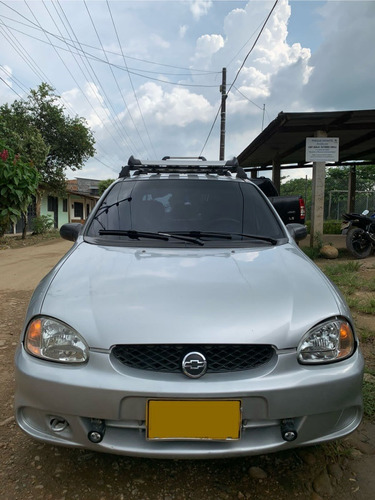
(32,470)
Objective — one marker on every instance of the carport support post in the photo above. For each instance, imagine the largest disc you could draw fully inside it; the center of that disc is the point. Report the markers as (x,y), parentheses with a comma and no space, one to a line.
(318,184)
(276,174)
(351,189)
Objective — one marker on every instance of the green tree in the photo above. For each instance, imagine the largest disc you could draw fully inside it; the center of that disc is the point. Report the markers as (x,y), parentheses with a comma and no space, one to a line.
(18,183)
(18,133)
(104,184)
(68,142)
(298,187)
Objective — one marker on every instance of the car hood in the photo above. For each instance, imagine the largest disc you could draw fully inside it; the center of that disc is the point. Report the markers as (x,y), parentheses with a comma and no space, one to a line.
(113,295)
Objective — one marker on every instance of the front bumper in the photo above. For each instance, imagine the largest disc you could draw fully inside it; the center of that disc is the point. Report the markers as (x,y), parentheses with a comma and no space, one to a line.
(323,401)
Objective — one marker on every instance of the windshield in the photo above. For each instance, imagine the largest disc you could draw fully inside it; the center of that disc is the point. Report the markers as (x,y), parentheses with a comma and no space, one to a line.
(185,206)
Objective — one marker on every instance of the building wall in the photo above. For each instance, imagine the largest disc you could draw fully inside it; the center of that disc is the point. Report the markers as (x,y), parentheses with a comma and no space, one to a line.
(62,217)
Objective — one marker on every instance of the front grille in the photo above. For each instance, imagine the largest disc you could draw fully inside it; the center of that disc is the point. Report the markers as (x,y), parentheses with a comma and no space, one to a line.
(167,358)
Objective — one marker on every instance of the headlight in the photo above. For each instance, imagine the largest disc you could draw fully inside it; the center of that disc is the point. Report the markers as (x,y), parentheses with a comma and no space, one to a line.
(51,339)
(330,341)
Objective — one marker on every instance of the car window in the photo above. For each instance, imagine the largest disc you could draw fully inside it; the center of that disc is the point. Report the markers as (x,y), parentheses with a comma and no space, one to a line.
(175,205)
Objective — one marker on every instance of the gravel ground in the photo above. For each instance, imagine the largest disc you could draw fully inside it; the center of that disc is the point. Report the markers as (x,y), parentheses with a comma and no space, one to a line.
(32,470)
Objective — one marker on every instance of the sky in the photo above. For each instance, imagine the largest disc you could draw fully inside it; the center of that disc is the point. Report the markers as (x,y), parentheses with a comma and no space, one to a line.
(146,74)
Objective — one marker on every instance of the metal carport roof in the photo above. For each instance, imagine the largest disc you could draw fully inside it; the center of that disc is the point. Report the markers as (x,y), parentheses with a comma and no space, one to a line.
(283,141)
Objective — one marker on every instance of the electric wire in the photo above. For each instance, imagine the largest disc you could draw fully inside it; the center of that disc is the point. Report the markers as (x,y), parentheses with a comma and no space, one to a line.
(32,25)
(116,122)
(239,70)
(253,46)
(11,88)
(114,76)
(22,52)
(130,79)
(15,80)
(30,62)
(243,95)
(78,85)
(132,71)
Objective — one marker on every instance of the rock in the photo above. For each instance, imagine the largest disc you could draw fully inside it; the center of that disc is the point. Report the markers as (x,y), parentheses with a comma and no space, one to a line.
(257,473)
(315,496)
(362,447)
(322,485)
(367,377)
(307,457)
(335,471)
(329,252)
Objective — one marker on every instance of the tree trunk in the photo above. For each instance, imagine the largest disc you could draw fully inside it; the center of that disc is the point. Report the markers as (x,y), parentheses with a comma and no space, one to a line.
(24,226)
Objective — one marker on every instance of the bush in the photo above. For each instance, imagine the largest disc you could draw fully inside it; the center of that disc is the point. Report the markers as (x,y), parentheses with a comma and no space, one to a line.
(42,224)
(332,227)
(329,226)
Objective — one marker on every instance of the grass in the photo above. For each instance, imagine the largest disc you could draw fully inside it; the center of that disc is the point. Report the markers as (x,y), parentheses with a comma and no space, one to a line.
(357,283)
(368,399)
(9,241)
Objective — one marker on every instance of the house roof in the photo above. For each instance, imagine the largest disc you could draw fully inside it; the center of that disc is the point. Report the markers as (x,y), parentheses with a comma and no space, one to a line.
(284,139)
(83,187)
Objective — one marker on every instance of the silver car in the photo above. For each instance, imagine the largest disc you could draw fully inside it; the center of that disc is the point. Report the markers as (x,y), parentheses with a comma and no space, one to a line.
(185,322)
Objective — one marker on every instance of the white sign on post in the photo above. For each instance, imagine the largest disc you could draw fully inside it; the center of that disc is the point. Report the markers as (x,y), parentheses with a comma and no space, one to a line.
(322,149)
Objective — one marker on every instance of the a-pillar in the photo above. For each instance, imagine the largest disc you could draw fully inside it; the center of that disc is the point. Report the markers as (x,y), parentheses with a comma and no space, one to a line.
(318,184)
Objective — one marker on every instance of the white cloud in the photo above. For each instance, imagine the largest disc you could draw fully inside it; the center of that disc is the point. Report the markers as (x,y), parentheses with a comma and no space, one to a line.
(200,8)
(207,45)
(182,30)
(91,105)
(159,41)
(177,108)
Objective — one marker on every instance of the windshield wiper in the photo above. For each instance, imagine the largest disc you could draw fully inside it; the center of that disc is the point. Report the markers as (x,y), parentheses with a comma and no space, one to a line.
(135,235)
(225,236)
(273,241)
(103,209)
(203,234)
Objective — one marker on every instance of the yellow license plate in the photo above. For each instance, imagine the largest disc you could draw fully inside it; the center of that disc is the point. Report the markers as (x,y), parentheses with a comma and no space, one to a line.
(211,420)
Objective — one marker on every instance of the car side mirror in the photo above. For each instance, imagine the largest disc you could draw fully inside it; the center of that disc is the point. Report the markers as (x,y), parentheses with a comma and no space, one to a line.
(297,231)
(71,231)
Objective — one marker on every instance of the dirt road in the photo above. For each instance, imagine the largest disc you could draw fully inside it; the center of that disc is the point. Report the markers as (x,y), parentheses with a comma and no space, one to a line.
(31,470)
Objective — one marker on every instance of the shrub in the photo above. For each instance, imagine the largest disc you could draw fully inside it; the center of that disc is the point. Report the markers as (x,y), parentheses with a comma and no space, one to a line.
(42,224)
(329,226)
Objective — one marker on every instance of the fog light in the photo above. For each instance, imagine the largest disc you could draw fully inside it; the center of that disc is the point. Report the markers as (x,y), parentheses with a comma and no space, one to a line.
(95,437)
(288,431)
(97,431)
(58,424)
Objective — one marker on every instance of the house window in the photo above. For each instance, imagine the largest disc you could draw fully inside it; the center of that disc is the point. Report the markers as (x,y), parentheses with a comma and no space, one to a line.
(65,205)
(78,210)
(87,209)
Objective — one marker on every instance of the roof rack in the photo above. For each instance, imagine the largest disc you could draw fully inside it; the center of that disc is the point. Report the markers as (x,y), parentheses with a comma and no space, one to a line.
(183,165)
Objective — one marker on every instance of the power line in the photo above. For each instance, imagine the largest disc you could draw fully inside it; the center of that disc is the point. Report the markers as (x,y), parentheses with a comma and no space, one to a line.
(75,80)
(238,72)
(11,88)
(116,122)
(243,95)
(32,25)
(130,79)
(253,46)
(113,74)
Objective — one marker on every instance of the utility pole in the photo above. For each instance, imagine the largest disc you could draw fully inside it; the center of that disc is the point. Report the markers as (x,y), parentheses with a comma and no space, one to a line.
(223,90)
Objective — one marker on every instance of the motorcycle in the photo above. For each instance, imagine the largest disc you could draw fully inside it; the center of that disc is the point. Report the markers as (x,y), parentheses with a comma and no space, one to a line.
(360,233)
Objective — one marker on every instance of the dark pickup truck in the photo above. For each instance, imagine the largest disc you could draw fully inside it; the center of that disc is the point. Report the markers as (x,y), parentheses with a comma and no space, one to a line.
(290,208)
